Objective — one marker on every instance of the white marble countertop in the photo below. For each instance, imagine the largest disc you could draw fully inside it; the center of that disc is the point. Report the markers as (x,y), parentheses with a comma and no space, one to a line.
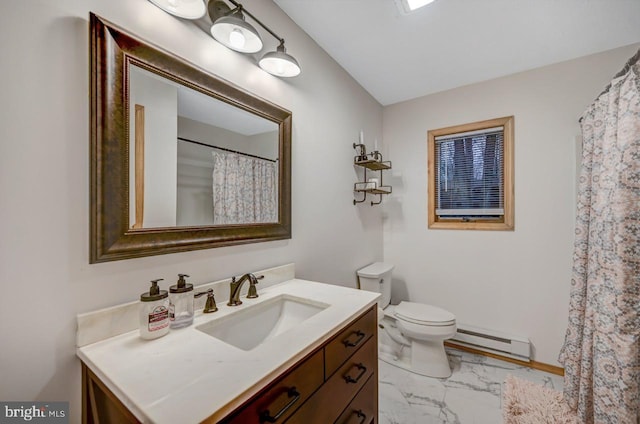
(188,376)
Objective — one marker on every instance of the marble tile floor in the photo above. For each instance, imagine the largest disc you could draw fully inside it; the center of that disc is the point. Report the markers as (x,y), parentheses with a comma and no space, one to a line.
(472,395)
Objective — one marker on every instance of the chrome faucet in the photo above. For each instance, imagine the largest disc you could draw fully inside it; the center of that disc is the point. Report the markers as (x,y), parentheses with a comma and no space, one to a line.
(236,286)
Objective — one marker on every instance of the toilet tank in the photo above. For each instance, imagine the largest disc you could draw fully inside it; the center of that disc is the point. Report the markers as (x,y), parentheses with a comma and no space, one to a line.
(377,278)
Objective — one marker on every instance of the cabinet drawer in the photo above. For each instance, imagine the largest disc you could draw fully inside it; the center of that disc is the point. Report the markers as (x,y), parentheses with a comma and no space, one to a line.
(364,407)
(326,405)
(282,398)
(350,340)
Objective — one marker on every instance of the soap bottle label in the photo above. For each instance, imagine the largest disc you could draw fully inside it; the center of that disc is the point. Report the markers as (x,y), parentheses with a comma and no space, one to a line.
(172,311)
(158,318)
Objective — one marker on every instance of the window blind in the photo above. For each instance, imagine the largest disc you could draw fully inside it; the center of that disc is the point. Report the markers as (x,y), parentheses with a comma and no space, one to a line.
(469,174)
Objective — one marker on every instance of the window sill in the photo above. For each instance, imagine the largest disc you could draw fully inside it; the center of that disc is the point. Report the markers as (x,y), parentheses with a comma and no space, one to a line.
(471,225)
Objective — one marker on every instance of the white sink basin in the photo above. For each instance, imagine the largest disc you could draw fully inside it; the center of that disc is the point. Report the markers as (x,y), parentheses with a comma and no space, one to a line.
(255,324)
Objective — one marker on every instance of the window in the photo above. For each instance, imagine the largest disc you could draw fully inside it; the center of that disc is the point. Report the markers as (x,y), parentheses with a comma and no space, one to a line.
(471,176)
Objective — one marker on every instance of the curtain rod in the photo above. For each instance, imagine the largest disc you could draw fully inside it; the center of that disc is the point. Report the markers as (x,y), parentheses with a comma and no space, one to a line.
(225,149)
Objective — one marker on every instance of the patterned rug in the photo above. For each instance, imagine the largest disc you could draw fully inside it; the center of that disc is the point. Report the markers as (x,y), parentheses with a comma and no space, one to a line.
(524,402)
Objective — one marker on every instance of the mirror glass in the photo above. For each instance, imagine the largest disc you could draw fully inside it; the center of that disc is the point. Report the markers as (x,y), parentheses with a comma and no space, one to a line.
(180,159)
(196,160)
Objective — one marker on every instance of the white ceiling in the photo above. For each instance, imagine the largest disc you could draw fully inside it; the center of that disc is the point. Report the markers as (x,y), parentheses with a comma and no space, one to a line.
(200,107)
(203,108)
(451,43)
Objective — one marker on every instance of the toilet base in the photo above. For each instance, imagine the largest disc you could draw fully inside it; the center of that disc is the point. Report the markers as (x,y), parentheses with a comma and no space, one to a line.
(427,361)
(404,362)
(428,357)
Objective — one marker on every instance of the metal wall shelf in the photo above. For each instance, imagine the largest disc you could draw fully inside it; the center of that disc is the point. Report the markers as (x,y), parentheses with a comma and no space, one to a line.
(370,162)
(371,188)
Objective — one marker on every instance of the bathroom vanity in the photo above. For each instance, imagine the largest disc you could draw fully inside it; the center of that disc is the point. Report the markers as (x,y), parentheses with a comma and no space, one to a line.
(321,368)
(335,383)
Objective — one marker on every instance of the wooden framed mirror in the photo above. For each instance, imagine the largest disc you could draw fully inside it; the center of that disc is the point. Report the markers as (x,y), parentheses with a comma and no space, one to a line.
(145,200)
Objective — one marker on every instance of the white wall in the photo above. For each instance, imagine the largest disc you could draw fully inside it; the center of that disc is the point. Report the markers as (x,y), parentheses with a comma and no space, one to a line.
(45,274)
(160,101)
(516,282)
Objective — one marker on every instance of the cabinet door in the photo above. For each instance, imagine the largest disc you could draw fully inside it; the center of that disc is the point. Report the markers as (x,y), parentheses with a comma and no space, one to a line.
(282,398)
(326,405)
(348,341)
(364,407)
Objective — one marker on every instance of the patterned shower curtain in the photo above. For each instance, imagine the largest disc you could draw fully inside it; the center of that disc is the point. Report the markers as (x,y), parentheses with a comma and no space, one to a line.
(602,343)
(244,189)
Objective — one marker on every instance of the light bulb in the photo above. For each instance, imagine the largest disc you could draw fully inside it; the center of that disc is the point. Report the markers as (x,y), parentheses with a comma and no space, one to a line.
(237,39)
(279,67)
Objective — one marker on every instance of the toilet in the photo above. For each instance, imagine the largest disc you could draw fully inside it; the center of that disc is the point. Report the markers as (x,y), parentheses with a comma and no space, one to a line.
(411,335)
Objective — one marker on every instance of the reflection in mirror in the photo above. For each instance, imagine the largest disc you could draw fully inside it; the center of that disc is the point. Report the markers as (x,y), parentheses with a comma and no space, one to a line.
(146,197)
(195,160)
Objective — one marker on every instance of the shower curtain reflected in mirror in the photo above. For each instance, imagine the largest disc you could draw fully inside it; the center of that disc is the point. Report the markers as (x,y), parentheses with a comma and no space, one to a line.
(602,343)
(244,189)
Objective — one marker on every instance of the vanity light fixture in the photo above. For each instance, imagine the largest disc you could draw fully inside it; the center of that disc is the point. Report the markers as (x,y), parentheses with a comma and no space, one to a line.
(229,28)
(232,31)
(187,9)
(280,63)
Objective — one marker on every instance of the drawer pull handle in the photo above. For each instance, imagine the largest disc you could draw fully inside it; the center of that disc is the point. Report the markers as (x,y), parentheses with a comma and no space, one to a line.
(359,415)
(265,416)
(357,378)
(349,343)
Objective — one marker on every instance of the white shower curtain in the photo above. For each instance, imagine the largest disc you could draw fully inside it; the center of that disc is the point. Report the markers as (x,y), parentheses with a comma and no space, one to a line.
(602,343)
(244,189)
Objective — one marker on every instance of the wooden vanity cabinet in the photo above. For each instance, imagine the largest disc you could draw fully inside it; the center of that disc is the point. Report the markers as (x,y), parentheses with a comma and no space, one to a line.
(347,394)
(99,404)
(336,383)
(280,399)
(328,403)
(362,409)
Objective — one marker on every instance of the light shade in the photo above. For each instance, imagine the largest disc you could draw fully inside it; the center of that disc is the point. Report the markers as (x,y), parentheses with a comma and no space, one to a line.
(416,4)
(229,31)
(408,6)
(279,63)
(187,9)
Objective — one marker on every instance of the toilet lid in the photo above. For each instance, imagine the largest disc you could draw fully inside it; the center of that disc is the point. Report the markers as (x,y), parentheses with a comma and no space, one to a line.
(424,314)
(375,270)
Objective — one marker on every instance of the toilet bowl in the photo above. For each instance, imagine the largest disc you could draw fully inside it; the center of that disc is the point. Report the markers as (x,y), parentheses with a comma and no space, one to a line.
(411,334)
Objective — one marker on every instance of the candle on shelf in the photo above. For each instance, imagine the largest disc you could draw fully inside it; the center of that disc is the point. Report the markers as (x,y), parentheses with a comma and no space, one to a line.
(373,181)
(361,137)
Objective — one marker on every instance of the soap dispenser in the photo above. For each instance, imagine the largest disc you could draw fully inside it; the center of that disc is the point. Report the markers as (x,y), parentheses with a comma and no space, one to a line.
(154,312)
(181,303)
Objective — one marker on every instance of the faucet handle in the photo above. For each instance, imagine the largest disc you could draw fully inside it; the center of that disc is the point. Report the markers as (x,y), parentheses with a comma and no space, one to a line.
(253,292)
(210,305)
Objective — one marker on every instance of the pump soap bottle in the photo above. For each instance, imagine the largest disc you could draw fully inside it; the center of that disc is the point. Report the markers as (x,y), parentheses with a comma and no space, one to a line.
(181,303)
(154,312)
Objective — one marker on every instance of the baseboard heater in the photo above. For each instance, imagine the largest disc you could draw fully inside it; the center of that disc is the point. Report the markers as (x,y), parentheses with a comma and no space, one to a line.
(515,347)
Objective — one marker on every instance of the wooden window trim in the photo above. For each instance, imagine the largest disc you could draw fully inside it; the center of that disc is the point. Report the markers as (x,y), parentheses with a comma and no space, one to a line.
(507,223)
(139,166)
